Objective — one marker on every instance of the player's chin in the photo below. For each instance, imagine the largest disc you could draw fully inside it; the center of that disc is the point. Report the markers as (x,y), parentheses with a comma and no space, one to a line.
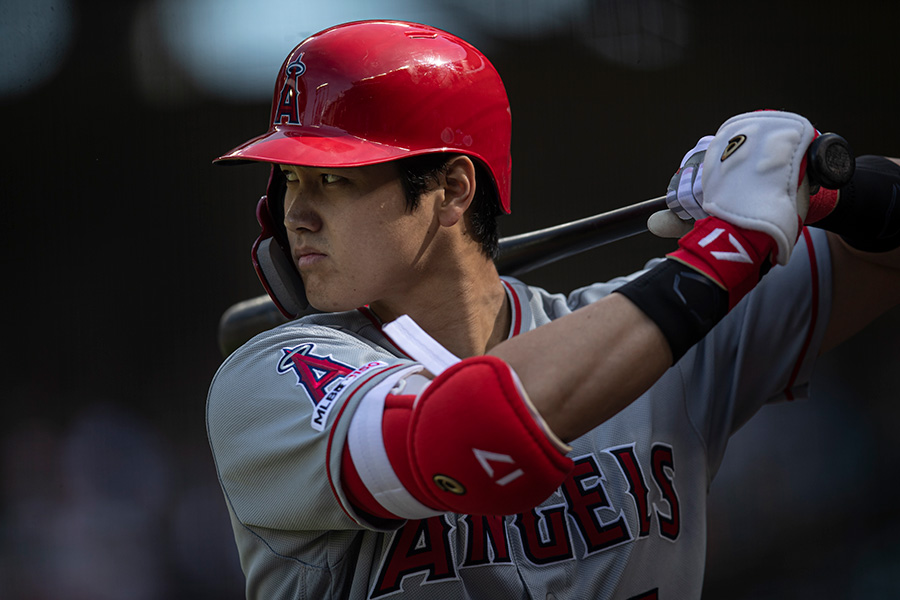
(330,307)
(329,299)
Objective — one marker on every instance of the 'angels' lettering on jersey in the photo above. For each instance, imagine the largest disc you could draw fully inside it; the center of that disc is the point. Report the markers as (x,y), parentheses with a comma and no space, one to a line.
(425,547)
(323,378)
(419,547)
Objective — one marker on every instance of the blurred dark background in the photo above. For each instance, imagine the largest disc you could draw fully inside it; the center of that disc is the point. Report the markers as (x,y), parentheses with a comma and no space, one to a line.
(123,246)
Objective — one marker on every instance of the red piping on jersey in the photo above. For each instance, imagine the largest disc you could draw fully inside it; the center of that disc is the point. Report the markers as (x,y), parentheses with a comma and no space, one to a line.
(370,315)
(331,437)
(814,311)
(517,310)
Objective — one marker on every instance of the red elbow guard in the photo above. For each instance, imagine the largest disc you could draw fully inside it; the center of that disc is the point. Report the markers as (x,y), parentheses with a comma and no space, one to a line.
(476,446)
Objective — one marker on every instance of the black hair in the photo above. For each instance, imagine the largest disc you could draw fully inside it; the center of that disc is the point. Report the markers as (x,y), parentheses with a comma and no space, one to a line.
(419,173)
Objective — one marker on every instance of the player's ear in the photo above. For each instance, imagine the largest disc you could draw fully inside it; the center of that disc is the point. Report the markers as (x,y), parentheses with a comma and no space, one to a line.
(458,185)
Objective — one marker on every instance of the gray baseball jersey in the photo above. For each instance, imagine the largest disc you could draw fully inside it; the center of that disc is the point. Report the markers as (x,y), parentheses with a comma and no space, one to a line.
(628,523)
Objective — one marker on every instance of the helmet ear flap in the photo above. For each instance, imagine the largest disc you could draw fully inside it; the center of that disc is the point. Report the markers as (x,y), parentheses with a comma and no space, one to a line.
(272,257)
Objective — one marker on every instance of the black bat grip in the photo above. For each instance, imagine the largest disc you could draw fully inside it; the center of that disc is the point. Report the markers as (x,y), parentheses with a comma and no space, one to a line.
(830,162)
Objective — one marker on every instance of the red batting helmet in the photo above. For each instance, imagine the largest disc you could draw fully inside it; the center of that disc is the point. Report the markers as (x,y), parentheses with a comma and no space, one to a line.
(370,92)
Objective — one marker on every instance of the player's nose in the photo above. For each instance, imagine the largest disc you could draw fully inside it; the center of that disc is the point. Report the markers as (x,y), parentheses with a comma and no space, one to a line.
(300,215)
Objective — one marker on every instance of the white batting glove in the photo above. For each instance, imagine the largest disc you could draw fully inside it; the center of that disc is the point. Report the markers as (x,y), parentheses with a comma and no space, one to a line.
(684,196)
(751,175)
(756,189)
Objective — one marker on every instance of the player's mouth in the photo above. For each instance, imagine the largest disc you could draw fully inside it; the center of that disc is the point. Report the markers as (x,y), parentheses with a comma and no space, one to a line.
(307,257)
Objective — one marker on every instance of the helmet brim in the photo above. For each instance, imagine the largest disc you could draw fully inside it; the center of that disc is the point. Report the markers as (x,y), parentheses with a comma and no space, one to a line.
(317,147)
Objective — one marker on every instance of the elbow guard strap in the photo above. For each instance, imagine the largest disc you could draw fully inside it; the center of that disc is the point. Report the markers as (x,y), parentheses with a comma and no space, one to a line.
(469,443)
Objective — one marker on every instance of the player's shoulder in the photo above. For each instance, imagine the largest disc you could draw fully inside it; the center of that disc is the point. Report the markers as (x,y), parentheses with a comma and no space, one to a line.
(350,328)
(343,338)
(308,358)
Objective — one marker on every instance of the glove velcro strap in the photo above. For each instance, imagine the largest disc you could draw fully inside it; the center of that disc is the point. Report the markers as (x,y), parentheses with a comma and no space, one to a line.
(715,266)
(733,257)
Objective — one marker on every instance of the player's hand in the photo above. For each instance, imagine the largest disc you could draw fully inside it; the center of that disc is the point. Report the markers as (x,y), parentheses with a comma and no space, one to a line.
(752,175)
(749,176)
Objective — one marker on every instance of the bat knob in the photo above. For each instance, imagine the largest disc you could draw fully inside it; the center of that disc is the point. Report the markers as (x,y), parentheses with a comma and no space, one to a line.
(830,162)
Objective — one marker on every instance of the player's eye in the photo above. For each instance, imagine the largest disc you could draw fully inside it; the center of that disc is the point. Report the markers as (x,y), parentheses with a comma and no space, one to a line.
(289,175)
(328,178)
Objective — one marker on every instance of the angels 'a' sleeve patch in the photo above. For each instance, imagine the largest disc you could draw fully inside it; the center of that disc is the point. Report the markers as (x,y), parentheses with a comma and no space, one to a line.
(323,378)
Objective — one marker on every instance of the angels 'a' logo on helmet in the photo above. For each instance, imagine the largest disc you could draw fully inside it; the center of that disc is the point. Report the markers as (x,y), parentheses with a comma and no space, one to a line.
(287,110)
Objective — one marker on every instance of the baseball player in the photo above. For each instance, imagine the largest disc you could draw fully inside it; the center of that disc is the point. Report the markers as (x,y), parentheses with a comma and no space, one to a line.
(437,431)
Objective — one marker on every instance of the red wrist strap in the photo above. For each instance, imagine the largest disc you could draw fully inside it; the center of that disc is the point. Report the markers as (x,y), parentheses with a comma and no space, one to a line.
(733,257)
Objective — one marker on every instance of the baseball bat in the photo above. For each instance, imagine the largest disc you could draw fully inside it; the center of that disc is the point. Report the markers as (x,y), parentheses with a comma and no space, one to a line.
(529,251)
(830,164)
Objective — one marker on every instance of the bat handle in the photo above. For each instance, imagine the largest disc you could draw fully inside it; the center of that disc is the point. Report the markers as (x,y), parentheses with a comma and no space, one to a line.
(830,162)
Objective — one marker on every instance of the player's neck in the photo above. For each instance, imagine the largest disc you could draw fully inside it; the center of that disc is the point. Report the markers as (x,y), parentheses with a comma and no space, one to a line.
(467,311)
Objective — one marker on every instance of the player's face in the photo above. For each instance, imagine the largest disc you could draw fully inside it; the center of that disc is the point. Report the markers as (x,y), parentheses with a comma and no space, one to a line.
(353,240)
